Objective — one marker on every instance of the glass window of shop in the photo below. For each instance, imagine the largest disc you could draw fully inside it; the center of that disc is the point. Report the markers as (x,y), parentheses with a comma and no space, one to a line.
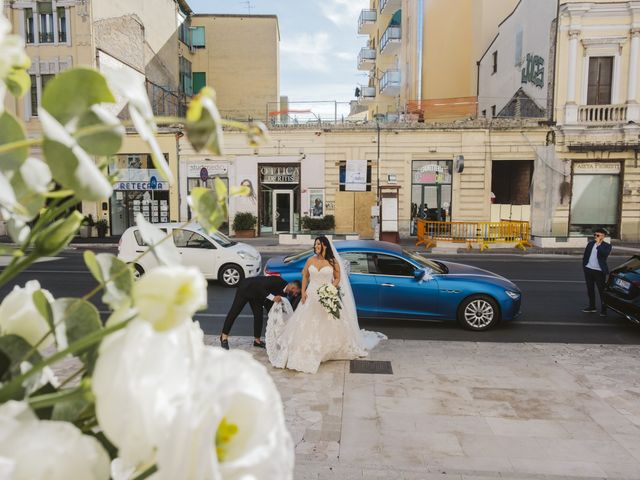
(279,198)
(595,198)
(139,188)
(431,191)
(204,175)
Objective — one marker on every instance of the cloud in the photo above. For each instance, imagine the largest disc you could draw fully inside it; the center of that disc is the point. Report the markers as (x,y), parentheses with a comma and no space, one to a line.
(349,56)
(307,51)
(343,12)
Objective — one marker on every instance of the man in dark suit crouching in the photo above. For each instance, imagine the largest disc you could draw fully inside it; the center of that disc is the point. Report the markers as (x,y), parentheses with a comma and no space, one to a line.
(259,293)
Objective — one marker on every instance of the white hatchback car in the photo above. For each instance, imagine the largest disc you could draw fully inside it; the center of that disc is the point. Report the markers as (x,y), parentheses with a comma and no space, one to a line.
(216,255)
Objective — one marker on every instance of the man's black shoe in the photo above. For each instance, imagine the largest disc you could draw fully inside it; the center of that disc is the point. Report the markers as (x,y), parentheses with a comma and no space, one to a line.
(224,343)
(589,310)
(259,344)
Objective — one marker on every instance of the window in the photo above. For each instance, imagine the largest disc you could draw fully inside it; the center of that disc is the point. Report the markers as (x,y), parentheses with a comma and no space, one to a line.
(45,14)
(28,25)
(493,110)
(199,81)
(381,264)
(343,176)
(518,57)
(298,256)
(184,33)
(358,262)
(494,68)
(600,79)
(186,79)
(484,113)
(511,181)
(34,96)
(188,239)
(62,24)
(197,37)
(45,78)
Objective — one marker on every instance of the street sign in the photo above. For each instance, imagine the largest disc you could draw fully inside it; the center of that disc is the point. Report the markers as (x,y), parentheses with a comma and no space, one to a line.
(204,174)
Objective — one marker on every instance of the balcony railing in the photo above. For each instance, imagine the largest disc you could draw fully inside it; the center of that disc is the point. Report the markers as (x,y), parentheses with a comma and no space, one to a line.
(602,114)
(389,6)
(367,21)
(366,58)
(390,82)
(390,39)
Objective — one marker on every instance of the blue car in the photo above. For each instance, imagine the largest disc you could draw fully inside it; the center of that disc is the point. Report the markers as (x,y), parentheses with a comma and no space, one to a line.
(391,282)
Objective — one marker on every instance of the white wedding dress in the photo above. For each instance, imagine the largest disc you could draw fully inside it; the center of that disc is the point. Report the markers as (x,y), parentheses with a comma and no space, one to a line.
(303,339)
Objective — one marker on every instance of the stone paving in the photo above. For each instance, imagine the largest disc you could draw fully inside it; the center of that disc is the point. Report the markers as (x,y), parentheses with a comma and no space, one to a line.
(464,410)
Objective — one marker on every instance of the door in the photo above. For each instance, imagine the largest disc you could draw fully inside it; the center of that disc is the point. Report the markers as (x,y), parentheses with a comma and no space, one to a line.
(363,284)
(196,251)
(283,210)
(600,80)
(400,294)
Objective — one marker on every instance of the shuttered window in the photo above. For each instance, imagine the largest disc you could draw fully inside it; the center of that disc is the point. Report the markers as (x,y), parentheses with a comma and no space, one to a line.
(600,79)
(199,81)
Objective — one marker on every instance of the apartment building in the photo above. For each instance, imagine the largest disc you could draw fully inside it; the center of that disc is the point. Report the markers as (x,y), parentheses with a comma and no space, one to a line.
(421,56)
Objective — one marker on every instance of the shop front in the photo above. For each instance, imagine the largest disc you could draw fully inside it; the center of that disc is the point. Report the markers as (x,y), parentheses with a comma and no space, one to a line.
(203,174)
(278,198)
(431,191)
(138,189)
(595,198)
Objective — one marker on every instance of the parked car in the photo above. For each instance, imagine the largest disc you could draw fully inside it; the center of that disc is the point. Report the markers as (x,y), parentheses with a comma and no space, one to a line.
(390,282)
(217,256)
(622,292)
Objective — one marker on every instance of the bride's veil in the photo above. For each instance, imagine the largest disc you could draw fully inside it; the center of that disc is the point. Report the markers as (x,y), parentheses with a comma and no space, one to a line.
(362,339)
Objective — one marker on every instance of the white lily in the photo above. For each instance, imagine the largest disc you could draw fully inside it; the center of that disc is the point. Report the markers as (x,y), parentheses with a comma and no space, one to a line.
(31,449)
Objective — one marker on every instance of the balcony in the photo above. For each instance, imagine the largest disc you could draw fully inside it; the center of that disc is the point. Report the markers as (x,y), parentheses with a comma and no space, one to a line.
(390,83)
(387,7)
(367,22)
(390,41)
(367,94)
(366,58)
(602,114)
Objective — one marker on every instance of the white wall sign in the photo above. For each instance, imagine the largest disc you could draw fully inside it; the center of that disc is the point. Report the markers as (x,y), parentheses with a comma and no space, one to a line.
(356,176)
(596,167)
(214,169)
(389,214)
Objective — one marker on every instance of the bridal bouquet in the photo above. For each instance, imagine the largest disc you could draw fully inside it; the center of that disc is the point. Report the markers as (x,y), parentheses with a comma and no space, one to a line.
(330,296)
(139,395)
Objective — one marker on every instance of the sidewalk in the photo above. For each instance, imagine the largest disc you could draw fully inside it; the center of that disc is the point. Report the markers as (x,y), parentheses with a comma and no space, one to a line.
(464,410)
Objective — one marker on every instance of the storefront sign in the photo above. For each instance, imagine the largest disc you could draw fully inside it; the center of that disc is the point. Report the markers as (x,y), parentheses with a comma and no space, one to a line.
(356,176)
(152,184)
(272,174)
(139,179)
(612,168)
(194,170)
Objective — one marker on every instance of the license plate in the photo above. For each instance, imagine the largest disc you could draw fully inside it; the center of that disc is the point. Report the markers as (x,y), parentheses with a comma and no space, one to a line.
(622,283)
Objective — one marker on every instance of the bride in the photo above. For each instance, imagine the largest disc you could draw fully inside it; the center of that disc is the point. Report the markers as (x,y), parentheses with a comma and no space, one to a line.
(303,339)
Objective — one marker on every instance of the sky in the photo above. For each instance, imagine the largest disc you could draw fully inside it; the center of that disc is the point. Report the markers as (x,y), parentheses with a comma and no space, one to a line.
(319,45)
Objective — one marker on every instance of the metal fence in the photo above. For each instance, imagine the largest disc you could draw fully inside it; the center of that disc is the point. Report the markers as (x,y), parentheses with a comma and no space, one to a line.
(482,233)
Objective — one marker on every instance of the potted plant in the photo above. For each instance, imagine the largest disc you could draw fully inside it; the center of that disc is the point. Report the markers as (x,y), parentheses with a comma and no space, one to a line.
(244,225)
(102,226)
(87,226)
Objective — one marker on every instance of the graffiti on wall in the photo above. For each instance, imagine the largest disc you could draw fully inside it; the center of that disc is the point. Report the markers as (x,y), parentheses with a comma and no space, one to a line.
(533,71)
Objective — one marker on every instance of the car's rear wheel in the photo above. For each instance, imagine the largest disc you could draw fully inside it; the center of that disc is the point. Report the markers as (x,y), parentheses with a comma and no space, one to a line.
(478,312)
(138,271)
(230,275)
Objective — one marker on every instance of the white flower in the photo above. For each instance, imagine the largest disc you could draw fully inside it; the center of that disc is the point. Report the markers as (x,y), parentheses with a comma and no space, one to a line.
(31,449)
(168,296)
(12,55)
(164,249)
(19,315)
(231,391)
(139,378)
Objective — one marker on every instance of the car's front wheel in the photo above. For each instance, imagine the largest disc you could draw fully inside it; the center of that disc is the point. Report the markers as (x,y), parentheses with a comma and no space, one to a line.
(138,271)
(230,275)
(478,312)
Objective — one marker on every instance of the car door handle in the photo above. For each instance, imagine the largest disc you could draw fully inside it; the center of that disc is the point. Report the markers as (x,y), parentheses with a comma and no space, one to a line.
(388,285)
(451,291)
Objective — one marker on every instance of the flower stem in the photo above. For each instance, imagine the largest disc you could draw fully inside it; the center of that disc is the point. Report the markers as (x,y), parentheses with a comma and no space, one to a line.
(147,473)
(50,399)
(27,142)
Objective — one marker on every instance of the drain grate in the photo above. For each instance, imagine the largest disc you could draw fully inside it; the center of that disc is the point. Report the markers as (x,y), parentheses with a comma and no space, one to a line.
(370,366)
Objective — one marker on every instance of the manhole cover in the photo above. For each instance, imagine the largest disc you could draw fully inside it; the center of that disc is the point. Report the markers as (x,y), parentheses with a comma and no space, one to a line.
(370,366)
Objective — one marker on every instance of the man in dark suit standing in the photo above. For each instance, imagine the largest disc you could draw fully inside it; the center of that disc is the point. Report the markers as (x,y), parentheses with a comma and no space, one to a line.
(259,293)
(594,262)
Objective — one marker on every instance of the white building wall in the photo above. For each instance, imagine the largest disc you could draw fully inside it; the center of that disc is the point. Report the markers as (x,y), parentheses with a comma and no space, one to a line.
(526,32)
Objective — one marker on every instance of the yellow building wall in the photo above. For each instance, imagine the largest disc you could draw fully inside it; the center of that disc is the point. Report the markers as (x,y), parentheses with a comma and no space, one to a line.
(241,62)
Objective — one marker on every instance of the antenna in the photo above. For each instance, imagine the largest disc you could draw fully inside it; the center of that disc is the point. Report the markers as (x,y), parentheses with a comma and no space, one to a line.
(249,6)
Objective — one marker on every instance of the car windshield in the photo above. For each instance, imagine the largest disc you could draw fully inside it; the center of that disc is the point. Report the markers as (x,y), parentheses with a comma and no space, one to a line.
(298,256)
(220,238)
(432,265)
(630,265)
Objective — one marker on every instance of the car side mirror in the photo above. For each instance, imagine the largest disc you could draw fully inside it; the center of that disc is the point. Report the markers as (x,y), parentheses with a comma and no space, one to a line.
(419,274)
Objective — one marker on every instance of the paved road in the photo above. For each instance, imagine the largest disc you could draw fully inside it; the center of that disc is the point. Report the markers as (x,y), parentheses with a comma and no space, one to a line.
(552,286)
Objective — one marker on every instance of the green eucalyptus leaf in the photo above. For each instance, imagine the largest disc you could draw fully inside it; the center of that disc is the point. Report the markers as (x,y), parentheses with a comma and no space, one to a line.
(80,318)
(74,169)
(18,82)
(71,93)
(92,264)
(17,350)
(44,307)
(209,207)
(105,142)
(71,409)
(204,124)
(11,130)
